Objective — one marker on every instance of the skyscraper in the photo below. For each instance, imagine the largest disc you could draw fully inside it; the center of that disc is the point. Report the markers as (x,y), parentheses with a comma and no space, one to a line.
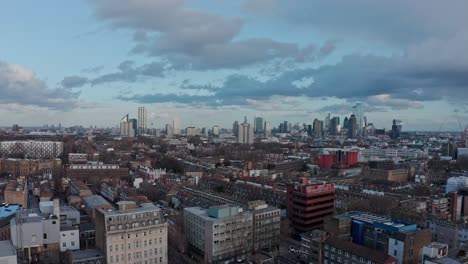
(246,133)
(235,128)
(317,128)
(142,120)
(334,125)
(267,129)
(359,115)
(258,125)
(124,126)
(346,122)
(396,129)
(133,127)
(169,131)
(352,130)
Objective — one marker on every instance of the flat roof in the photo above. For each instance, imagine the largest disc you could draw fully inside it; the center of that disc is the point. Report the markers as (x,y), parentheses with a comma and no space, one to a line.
(8,210)
(7,248)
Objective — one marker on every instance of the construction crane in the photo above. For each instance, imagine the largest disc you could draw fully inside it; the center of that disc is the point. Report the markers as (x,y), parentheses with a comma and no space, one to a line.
(463,131)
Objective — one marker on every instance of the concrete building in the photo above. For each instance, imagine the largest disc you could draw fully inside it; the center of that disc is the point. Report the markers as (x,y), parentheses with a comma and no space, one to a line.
(266,226)
(132,234)
(7,253)
(308,204)
(31,149)
(246,133)
(218,234)
(36,235)
(399,239)
(142,120)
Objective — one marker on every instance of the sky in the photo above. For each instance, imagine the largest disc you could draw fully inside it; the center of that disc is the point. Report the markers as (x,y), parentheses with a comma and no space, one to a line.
(210,62)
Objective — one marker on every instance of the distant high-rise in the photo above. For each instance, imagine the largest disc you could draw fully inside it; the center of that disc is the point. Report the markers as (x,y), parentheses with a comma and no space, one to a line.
(176,126)
(346,123)
(142,120)
(235,128)
(334,128)
(124,126)
(169,131)
(396,128)
(267,129)
(327,123)
(215,131)
(133,127)
(258,125)
(353,127)
(285,127)
(359,115)
(317,128)
(246,133)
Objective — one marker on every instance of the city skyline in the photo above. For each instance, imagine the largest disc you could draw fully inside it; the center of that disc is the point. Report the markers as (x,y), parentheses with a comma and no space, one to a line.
(92,62)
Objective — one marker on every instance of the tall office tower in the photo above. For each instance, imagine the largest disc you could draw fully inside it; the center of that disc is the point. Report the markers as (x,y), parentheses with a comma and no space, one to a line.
(465,137)
(246,133)
(310,130)
(235,128)
(327,123)
(142,120)
(176,126)
(169,131)
(317,128)
(204,132)
(267,129)
(132,234)
(346,123)
(308,204)
(353,127)
(258,125)
(334,125)
(359,115)
(133,127)
(124,126)
(396,129)
(285,127)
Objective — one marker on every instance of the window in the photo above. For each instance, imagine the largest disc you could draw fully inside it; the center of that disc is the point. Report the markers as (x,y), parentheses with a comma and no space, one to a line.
(346,254)
(361,259)
(73,243)
(395,242)
(332,256)
(64,244)
(395,252)
(411,242)
(45,236)
(340,251)
(333,249)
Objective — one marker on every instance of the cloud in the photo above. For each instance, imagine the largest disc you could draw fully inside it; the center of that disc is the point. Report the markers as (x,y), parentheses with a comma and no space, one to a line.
(193,39)
(73,81)
(127,72)
(398,22)
(20,86)
(93,70)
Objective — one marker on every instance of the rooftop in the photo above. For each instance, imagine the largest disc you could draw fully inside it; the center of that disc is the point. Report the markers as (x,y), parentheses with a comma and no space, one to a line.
(83,255)
(7,249)
(8,209)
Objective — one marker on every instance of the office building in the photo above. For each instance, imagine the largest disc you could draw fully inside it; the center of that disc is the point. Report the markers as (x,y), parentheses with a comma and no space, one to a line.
(31,149)
(132,234)
(124,126)
(169,131)
(235,128)
(337,158)
(399,239)
(359,115)
(258,125)
(353,127)
(267,129)
(334,128)
(227,233)
(317,128)
(192,131)
(246,133)
(142,120)
(133,127)
(215,131)
(308,204)
(396,128)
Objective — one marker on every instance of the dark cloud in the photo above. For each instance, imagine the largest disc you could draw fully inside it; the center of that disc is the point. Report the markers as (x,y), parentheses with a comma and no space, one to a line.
(93,70)
(397,21)
(19,85)
(193,39)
